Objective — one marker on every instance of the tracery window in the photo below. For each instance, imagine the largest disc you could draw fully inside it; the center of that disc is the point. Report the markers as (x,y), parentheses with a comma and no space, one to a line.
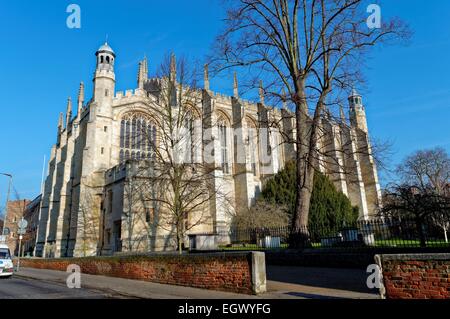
(192,128)
(252,138)
(137,137)
(224,142)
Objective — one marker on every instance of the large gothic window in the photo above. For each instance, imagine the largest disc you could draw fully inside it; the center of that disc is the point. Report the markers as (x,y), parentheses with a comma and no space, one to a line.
(192,129)
(137,137)
(190,142)
(252,142)
(224,142)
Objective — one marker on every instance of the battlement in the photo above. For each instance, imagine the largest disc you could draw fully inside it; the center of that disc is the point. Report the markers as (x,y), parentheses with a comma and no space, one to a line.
(247,104)
(131,168)
(221,98)
(130,93)
(154,81)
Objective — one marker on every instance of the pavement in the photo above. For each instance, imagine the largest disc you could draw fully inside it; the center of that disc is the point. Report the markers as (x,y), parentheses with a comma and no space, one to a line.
(282,282)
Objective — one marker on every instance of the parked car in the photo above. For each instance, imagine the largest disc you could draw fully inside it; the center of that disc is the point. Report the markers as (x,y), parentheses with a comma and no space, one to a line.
(6,263)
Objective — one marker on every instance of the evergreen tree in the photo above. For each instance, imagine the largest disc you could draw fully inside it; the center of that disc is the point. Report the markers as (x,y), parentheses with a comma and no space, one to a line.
(330,209)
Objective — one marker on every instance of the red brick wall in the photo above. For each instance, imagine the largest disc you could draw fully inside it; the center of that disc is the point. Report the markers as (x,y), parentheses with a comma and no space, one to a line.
(416,276)
(230,272)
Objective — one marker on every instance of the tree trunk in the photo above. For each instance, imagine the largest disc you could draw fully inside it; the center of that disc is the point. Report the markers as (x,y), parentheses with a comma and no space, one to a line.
(445,235)
(304,175)
(419,225)
(180,247)
(179,240)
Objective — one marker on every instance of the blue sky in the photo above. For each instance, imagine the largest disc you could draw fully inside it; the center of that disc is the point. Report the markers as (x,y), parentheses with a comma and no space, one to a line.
(42,62)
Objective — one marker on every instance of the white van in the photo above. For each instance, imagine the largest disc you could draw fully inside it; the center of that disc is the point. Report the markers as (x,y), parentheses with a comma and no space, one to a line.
(6,264)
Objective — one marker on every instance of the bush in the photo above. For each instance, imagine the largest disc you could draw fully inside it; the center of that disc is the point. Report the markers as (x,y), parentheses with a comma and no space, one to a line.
(262,214)
(330,209)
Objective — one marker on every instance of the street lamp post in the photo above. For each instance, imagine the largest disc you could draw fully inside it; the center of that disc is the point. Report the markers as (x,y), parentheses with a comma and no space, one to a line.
(7,201)
(22,229)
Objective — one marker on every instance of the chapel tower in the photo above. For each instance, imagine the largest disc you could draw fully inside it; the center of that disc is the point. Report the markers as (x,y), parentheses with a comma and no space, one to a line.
(357,112)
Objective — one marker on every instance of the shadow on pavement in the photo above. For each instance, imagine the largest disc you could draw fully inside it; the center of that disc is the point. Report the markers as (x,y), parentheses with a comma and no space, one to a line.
(331,278)
(311,296)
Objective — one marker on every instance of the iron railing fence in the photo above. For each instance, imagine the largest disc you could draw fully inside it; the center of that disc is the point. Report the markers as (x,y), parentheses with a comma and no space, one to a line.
(375,233)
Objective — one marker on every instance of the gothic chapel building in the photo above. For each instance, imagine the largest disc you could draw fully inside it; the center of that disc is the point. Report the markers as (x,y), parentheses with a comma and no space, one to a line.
(84,204)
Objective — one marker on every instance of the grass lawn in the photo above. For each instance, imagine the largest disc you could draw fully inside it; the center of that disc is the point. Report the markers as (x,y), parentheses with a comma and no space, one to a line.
(250,247)
(409,243)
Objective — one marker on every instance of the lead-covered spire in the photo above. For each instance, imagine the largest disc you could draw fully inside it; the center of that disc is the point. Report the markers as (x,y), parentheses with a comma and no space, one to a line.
(80,98)
(61,122)
(69,111)
(261,92)
(173,68)
(235,86)
(206,77)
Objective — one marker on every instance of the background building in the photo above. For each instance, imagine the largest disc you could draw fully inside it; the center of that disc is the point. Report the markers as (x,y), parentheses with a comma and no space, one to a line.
(31,215)
(15,212)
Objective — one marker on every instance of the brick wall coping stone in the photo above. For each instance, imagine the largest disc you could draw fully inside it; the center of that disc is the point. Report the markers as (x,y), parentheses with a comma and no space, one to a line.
(429,256)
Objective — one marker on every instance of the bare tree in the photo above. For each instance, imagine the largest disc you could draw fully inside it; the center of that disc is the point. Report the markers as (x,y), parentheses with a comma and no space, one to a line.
(442,220)
(429,172)
(427,169)
(416,202)
(176,182)
(88,221)
(262,215)
(313,49)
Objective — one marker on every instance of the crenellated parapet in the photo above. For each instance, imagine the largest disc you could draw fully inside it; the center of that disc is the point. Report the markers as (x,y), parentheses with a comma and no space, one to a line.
(130,93)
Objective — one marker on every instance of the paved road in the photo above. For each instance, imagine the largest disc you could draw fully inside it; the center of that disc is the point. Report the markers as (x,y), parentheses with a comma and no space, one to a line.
(283,282)
(110,287)
(318,283)
(24,288)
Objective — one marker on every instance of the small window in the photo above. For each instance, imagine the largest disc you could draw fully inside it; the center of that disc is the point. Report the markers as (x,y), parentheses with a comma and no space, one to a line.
(106,92)
(105,129)
(102,150)
(101,59)
(148,215)
(110,201)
